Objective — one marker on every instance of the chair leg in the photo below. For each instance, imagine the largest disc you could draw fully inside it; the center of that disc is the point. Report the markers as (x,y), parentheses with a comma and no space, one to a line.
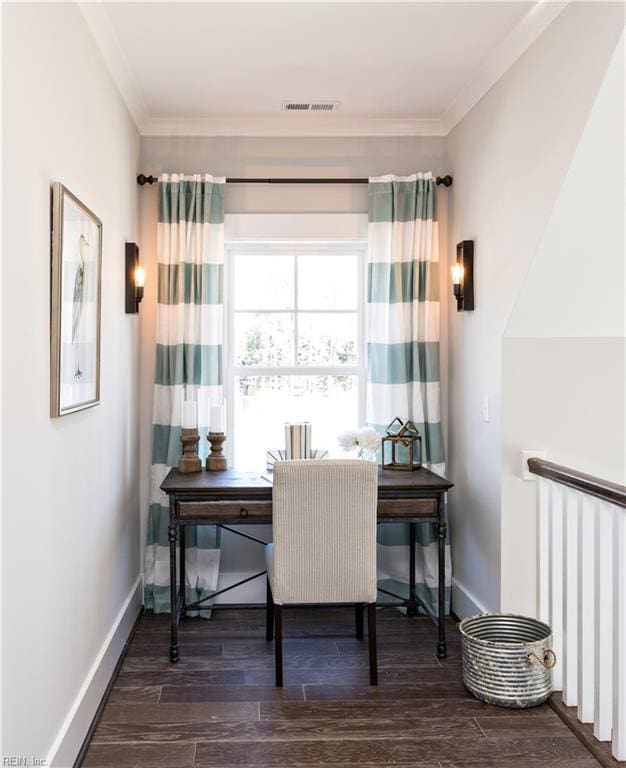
(278,643)
(269,613)
(358,612)
(371,637)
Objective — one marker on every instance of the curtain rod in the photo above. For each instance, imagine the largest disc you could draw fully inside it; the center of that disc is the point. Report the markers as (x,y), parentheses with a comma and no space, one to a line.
(446,181)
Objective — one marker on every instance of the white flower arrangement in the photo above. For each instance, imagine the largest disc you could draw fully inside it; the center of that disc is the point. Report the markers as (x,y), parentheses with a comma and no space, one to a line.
(367,440)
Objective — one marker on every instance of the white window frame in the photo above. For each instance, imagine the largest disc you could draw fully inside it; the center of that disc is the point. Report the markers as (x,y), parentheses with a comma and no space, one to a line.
(262,246)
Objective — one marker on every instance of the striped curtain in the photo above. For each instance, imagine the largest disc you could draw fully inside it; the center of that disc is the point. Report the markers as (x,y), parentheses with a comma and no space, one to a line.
(189,335)
(403,353)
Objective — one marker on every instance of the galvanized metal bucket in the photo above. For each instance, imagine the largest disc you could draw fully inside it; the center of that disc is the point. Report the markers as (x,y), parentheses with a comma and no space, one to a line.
(507,659)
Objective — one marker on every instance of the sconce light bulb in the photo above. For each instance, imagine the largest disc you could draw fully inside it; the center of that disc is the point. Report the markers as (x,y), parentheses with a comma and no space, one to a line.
(140,277)
(457,274)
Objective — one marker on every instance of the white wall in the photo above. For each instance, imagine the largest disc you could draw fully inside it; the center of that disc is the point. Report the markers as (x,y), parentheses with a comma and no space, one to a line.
(71,547)
(267,157)
(509,157)
(563,352)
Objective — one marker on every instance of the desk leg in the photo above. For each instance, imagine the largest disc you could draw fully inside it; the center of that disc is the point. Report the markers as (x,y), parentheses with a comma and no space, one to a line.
(441,534)
(411,608)
(182,578)
(171,535)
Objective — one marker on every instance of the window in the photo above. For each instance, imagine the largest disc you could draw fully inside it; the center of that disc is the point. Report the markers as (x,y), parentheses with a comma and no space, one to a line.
(295,344)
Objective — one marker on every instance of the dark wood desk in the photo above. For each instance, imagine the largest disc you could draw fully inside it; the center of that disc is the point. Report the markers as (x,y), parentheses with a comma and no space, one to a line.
(239,498)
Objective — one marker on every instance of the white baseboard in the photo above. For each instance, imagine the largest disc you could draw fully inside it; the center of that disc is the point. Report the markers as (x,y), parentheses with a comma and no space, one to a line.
(464,603)
(73,731)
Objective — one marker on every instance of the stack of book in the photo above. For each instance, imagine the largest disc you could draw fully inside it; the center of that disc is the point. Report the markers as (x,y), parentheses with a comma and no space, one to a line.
(298,441)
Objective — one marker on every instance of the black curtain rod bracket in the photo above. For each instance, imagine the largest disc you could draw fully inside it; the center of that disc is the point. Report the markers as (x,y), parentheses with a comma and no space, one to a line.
(142,179)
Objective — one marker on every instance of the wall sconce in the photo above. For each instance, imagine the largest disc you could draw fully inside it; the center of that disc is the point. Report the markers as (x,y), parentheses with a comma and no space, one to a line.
(135,279)
(463,276)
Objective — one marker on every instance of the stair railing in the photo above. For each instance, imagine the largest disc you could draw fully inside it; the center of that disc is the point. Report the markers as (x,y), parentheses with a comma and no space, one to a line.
(582,593)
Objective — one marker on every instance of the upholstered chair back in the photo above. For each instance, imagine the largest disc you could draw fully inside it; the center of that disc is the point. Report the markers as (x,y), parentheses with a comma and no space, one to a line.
(324,522)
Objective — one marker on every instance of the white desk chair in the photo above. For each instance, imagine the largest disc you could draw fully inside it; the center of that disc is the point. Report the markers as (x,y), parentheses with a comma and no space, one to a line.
(324,550)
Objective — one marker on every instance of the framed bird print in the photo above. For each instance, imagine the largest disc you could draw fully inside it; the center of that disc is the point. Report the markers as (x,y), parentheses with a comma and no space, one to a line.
(75,309)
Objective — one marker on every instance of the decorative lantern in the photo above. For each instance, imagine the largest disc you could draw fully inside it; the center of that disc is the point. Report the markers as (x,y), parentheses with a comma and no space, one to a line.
(402,438)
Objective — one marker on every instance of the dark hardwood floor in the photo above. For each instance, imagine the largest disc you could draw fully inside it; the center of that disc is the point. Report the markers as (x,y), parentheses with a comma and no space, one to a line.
(218,706)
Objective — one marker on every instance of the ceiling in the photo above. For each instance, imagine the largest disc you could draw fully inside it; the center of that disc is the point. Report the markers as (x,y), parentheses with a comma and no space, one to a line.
(396,68)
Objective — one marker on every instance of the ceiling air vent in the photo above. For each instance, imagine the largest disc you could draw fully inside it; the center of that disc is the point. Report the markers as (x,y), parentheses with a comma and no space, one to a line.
(305,106)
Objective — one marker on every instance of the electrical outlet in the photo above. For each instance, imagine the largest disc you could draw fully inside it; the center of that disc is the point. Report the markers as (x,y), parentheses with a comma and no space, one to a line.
(530,454)
(486,410)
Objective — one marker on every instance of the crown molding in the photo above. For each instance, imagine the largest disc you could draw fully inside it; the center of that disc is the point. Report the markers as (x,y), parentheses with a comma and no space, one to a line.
(521,37)
(516,43)
(291,125)
(95,16)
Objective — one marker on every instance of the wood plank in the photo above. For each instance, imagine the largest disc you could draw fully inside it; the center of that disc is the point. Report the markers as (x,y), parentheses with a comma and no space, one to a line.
(426,708)
(412,764)
(189,693)
(350,676)
(547,762)
(134,694)
(205,712)
(386,752)
(270,731)
(163,649)
(140,755)
(544,724)
(448,689)
(176,676)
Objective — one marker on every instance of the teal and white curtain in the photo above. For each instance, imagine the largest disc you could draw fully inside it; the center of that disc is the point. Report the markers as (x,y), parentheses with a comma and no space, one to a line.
(403,352)
(189,336)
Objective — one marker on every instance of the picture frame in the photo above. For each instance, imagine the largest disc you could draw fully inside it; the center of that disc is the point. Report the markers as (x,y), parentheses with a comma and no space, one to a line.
(75,304)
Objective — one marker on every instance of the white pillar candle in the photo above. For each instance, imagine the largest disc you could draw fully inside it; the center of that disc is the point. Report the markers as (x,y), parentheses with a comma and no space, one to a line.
(190,414)
(216,417)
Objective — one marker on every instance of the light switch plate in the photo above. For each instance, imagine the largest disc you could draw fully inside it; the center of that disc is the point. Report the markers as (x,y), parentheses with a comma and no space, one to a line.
(529,453)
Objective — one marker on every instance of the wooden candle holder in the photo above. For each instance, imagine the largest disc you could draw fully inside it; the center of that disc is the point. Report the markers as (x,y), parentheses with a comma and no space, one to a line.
(189,461)
(216,461)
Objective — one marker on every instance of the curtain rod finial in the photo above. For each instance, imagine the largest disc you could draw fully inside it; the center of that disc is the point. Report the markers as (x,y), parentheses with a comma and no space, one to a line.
(142,179)
(445,180)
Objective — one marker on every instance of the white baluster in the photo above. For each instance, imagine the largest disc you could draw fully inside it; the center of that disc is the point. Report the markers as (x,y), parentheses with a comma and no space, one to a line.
(572,501)
(586,608)
(544,551)
(556,580)
(603,708)
(619,643)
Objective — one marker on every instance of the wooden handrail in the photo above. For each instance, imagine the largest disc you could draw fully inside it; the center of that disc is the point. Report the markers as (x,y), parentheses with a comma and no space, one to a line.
(593,486)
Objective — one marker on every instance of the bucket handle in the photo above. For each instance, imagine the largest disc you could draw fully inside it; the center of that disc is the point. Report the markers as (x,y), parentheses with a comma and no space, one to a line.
(548,661)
